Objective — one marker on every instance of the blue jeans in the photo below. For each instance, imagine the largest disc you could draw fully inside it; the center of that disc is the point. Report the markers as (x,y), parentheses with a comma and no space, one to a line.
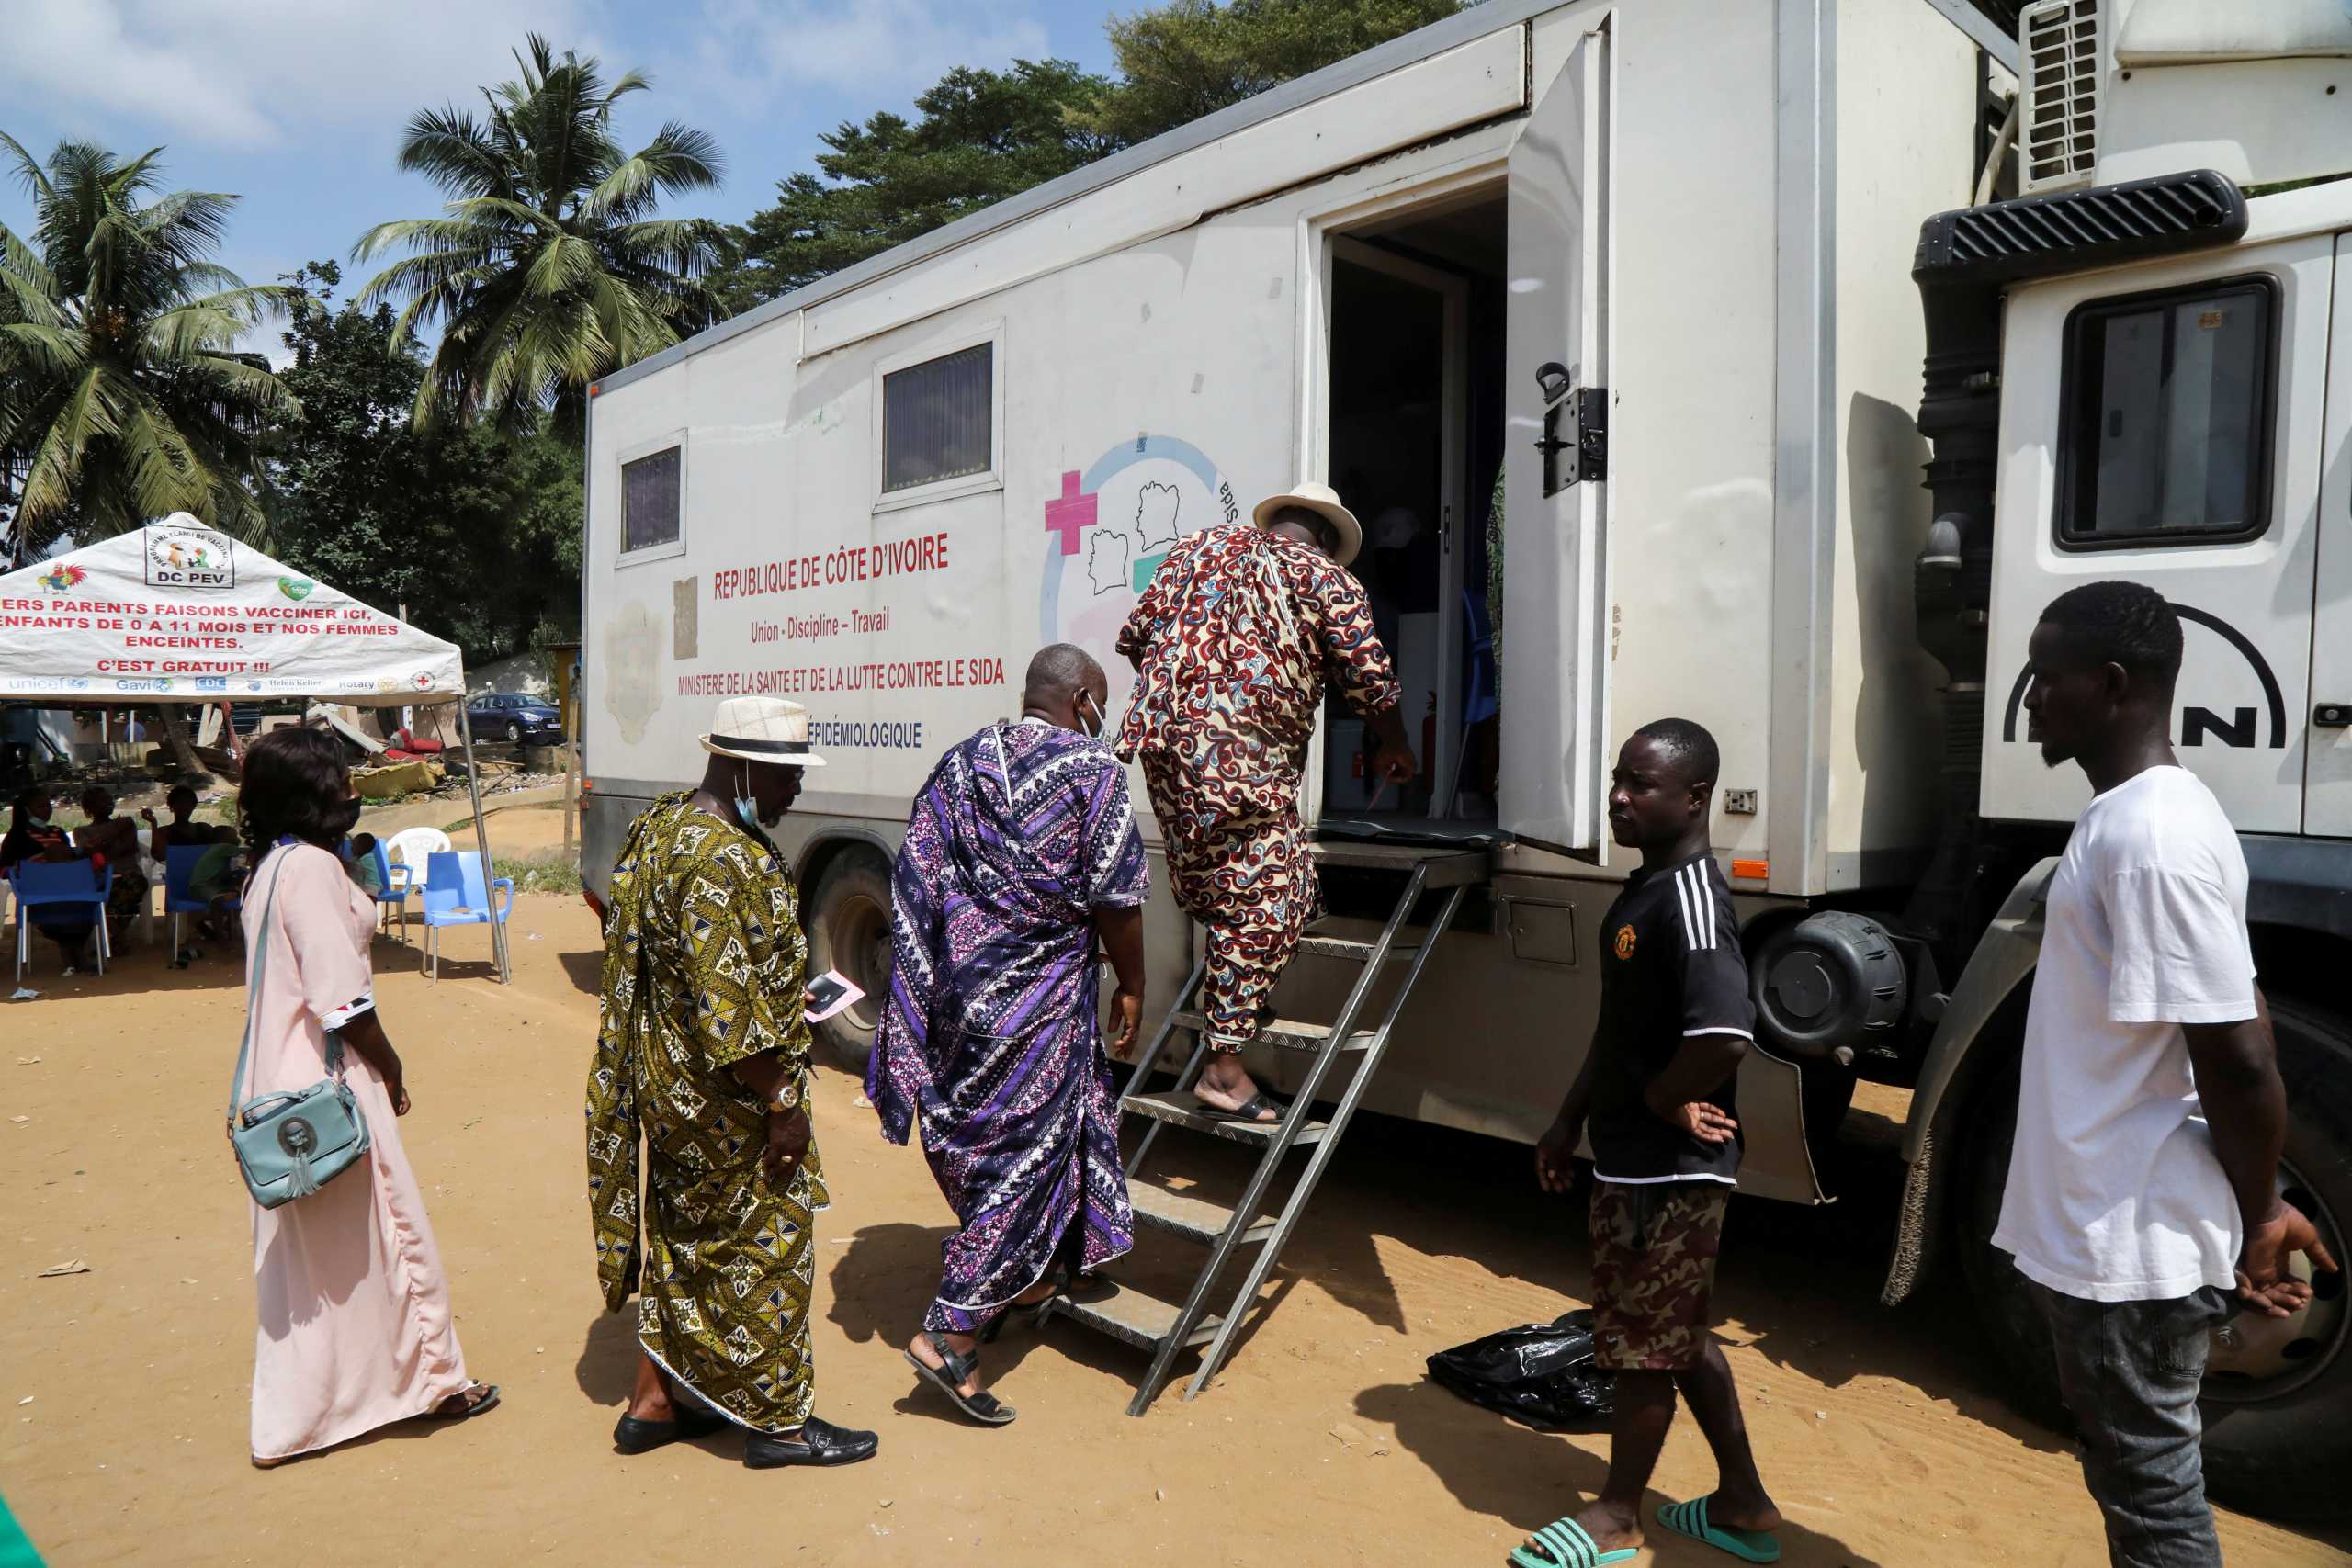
(2129,1371)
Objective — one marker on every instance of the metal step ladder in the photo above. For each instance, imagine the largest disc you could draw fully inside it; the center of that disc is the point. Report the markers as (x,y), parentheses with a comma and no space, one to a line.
(1167,1328)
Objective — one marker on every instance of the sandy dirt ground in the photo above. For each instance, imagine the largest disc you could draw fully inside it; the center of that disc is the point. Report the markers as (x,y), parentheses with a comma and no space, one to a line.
(123,1390)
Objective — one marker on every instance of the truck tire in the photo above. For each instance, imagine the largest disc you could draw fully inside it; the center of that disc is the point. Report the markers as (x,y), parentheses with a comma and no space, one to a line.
(849,929)
(2276,1443)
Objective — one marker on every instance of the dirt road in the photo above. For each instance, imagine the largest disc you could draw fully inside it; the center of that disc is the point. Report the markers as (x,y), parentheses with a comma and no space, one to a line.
(123,1391)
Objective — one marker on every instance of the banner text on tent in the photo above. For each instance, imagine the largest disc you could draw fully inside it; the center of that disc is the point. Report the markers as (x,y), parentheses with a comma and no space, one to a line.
(150,626)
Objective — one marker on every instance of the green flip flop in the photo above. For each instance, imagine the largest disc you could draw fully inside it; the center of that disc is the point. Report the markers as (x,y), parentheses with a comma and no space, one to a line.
(1690,1518)
(1562,1544)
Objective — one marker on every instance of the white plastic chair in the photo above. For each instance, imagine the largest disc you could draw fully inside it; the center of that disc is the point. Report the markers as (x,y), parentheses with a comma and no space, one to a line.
(408,853)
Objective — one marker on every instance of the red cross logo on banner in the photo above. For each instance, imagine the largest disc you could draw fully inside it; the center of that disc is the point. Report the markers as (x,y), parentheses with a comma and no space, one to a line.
(1070,513)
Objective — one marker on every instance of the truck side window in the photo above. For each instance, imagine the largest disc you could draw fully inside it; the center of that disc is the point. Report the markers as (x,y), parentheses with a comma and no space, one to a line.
(937,419)
(2164,436)
(650,501)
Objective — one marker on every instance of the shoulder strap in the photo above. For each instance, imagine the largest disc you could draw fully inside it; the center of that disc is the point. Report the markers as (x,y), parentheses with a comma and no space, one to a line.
(253,982)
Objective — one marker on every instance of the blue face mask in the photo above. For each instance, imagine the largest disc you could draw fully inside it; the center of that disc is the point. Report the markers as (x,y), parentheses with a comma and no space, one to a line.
(747,809)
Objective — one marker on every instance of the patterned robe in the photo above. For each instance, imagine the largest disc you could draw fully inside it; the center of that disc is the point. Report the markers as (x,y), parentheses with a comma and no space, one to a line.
(1233,643)
(992,1040)
(704,966)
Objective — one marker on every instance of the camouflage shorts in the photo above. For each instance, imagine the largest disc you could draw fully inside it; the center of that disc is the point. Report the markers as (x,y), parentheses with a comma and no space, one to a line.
(1653,1272)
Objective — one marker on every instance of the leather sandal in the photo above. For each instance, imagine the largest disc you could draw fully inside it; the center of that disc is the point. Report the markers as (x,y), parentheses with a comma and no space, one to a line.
(634,1437)
(820,1442)
(949,1378)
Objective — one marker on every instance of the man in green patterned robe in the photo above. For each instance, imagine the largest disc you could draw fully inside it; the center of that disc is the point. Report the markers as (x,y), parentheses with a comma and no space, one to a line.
(703,1052)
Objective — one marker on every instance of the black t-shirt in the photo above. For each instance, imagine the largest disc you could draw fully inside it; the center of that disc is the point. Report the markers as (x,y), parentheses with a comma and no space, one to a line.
(1670,968)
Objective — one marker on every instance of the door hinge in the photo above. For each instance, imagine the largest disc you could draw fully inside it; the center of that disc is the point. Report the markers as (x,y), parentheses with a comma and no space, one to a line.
(1575,439)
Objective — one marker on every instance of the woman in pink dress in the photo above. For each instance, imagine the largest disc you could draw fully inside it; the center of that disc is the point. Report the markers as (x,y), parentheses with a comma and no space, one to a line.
(356,1329)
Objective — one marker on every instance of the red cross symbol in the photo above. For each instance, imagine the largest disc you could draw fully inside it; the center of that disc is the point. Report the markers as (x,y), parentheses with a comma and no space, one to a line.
(1069,514)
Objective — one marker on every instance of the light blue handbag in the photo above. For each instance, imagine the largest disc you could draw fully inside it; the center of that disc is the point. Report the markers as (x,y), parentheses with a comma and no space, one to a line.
(290,1146)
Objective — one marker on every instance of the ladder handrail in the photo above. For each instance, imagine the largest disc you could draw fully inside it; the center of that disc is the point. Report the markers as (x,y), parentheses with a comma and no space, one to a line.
(1261,1266)
(1150,1059)
(1271,1159)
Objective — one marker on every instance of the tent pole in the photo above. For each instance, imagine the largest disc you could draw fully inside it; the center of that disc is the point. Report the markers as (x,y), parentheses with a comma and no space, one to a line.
(482,842)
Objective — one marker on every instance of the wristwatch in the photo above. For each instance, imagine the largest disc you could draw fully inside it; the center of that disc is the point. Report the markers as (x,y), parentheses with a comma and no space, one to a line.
(787,1098)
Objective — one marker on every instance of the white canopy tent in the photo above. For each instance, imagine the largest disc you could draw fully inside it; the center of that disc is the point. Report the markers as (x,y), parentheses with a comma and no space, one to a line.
(179,612)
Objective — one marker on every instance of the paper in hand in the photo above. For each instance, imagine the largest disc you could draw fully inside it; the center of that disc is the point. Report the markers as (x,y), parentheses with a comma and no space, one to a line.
(828,994)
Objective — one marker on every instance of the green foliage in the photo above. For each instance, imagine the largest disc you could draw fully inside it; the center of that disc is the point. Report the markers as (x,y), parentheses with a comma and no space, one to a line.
(981,136)
(1189,58)
(123,395)
(549,267)
(477,532)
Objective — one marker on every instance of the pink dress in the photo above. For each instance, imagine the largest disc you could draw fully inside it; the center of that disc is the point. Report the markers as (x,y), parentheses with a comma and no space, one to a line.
(356,1328)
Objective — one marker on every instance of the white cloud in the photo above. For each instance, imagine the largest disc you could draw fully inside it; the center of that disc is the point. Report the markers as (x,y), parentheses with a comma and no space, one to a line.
(265,74)
(273,73)
(746,50)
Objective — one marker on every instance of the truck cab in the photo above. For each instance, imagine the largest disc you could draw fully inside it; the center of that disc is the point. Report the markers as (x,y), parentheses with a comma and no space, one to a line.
(2140,366)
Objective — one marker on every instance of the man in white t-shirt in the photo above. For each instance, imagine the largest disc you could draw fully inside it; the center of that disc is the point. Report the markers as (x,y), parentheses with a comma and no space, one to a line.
(2142,1204)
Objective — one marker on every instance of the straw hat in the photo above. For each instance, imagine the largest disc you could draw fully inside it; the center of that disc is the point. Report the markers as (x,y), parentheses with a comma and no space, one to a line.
(1323,501)
(763,730)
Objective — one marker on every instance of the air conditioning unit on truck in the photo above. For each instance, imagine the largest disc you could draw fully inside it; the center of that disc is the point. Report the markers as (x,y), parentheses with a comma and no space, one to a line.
(1658,268)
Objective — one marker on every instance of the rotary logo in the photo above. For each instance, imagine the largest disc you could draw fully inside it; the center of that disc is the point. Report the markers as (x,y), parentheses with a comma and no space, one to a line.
(1624,943)
(61,576)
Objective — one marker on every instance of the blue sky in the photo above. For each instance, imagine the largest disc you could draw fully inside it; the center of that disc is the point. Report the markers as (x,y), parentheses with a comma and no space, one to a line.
(298,105)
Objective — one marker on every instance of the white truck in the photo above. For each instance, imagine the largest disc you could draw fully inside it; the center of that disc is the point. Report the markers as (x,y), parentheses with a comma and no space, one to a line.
(1670,269)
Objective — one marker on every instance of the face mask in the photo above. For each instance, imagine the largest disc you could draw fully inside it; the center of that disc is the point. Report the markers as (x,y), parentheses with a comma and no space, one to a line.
(41,818)
(1092,731)
(747,809)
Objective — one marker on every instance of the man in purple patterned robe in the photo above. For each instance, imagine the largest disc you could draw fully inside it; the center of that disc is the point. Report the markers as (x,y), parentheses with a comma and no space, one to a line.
(1021,855)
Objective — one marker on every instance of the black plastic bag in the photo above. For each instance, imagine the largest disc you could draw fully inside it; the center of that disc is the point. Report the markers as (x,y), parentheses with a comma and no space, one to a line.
(1540,1374)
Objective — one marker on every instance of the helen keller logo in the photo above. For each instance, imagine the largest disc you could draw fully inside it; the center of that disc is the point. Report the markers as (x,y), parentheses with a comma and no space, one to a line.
(2245,726)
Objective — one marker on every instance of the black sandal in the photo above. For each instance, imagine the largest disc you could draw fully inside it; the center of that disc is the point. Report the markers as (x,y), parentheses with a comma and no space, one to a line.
(482,1406)
(1253,1110)
(949,1377)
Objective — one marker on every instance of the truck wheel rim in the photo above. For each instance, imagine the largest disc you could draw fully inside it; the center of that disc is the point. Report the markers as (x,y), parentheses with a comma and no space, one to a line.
(862,946)
(2257,1358)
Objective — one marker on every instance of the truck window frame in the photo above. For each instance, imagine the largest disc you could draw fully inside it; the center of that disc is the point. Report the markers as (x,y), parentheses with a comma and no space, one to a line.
(634,452)
(990,333)
(2072,386)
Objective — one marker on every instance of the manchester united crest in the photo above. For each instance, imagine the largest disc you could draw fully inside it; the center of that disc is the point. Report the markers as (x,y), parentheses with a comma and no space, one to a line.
(1624,943)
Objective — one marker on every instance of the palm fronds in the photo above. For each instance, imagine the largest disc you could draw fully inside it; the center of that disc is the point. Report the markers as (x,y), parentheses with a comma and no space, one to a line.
(548,266)
(122,395)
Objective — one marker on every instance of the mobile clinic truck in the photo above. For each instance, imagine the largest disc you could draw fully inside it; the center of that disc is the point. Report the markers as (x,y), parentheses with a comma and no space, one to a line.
(1661,265)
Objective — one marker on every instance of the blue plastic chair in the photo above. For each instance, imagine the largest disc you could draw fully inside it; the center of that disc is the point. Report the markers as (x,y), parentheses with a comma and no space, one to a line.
(392,892)
(44,883)
(180,877)
(455,895)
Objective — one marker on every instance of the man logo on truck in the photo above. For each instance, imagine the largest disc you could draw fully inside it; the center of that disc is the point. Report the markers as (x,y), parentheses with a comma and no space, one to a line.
(2238,726)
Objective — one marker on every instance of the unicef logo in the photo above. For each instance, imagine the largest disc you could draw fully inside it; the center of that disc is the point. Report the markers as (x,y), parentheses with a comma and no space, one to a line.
(1108,530)
(297,1137)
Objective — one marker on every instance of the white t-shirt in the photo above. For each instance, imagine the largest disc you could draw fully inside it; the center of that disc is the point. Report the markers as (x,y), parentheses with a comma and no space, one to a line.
(2114,1192)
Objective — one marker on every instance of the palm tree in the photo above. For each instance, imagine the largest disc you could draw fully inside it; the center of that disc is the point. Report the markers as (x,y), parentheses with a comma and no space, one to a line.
(122,395)
(550,268)
(123,398)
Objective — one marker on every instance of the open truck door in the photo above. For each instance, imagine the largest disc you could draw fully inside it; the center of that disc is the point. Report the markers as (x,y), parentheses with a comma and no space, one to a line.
(1554,780)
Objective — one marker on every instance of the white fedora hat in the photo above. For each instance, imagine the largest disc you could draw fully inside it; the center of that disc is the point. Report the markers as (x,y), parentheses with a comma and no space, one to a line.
(763,730)
(1324,501)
